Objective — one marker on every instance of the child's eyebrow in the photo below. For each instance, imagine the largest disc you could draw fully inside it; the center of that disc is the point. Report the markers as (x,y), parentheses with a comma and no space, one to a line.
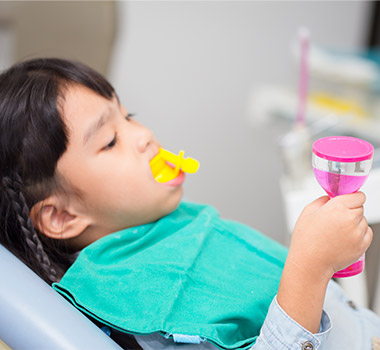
(96,125)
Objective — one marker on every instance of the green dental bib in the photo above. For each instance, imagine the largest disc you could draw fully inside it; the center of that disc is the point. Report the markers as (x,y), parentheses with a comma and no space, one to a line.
(189,273)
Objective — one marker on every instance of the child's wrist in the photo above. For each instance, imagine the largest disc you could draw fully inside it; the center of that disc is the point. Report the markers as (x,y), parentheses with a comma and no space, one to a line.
(314,270)
(301,293)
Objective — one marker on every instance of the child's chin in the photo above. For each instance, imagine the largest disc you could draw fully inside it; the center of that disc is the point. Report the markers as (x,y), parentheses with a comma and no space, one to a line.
(175,202)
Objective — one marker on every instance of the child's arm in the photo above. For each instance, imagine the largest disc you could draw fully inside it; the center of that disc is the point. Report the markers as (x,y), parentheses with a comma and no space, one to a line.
(329,235)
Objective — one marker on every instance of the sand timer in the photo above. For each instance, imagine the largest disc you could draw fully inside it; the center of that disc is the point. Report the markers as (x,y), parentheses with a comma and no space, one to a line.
(341,165)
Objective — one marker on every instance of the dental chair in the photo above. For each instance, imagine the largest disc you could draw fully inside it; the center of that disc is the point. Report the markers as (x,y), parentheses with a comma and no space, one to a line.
(34,316)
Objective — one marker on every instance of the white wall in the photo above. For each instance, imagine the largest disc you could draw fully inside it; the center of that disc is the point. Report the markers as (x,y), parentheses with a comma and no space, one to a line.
(187,69)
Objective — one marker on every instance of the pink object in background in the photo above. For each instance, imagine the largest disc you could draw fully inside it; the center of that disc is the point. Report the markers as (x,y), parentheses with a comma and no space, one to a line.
(341,165)
(304,43)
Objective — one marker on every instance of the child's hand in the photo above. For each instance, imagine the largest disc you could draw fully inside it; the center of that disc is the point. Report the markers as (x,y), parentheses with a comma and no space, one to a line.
(330,234)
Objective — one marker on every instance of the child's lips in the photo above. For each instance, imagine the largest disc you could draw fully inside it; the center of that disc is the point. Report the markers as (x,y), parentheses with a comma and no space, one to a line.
(177,181)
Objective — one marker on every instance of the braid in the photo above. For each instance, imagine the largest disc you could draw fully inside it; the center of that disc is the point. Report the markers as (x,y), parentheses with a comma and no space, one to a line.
(12,188)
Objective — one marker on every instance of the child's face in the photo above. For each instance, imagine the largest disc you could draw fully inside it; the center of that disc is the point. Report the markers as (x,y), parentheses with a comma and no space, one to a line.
(107,159)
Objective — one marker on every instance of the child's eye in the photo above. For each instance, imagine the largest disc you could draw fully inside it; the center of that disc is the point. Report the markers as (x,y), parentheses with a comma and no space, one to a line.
(129,116)
(111,144)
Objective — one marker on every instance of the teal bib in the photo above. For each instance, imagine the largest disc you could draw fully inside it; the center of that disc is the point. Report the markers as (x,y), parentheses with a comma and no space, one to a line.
(189,273)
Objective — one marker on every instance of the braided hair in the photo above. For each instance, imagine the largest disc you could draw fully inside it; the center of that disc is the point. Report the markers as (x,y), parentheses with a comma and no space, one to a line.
(33,137)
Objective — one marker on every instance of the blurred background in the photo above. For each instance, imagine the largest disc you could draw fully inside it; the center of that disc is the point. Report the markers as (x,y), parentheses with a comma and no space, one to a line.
(220,80)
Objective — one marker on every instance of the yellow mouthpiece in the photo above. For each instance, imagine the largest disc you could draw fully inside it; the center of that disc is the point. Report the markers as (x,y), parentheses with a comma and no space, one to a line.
(167,165)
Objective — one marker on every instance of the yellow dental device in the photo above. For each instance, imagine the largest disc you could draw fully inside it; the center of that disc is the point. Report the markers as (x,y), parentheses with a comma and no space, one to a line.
(167,165)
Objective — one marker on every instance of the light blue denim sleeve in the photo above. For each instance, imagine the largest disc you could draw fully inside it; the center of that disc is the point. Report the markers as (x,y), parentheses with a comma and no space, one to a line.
(280,332)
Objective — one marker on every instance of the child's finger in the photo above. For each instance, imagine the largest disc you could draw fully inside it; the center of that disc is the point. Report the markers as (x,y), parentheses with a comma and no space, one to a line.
(363,225)
(358,212)
(352,200)
(366,234)
(367,239)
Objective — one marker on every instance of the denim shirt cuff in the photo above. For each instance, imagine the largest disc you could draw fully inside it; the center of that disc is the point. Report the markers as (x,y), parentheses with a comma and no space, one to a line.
(280,331)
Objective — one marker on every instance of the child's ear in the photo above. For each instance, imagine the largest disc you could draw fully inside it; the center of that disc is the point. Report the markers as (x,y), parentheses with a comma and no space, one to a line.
(56,219)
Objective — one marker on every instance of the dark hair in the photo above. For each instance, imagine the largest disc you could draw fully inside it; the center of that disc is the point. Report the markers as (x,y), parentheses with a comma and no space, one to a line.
(33,137)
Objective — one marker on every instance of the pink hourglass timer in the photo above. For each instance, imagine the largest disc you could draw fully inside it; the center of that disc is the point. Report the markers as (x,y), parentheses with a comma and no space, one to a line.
(341,165)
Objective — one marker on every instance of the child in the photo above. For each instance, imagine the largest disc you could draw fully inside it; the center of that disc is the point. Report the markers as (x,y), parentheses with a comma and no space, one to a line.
(75,177)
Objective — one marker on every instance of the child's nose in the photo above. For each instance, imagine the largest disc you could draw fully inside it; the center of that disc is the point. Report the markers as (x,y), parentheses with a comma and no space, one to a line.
(145,138)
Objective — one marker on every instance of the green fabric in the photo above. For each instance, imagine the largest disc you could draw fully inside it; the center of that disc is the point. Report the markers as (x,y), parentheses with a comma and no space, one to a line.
(188,273)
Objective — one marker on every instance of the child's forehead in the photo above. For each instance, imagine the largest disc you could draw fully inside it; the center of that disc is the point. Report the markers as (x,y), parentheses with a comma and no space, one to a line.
(80,101)
(80,92)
